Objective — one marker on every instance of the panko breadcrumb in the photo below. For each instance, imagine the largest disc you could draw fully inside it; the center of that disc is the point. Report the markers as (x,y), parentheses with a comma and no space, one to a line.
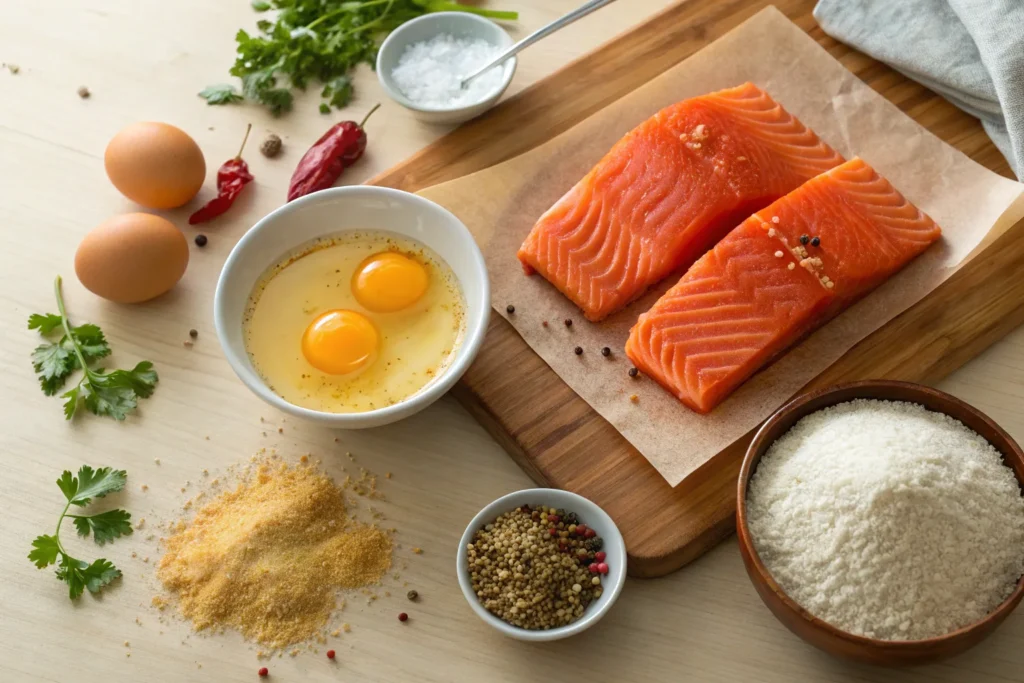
(268,558)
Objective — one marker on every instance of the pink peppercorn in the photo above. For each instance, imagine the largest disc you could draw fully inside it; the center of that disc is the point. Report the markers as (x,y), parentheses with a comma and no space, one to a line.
(553,519)
(330,654)
(593,567)
(590,533)
(581,529)
(263,673)
(553,531)
(602,568)
(600,556)
(403,617)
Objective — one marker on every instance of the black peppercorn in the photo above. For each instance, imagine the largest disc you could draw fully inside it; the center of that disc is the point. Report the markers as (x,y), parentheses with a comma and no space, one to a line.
(606,352)
(633,372)
(201,240)
(578,350)
(568,322)
(510,309)
(815,241)
(804,239)
(193,333)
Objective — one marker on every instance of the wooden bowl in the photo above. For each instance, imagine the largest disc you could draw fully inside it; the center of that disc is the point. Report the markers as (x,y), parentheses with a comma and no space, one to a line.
(822,635)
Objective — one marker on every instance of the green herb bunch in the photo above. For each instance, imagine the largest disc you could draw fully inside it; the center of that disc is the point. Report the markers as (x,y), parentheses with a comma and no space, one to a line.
(103,392)
(104,526)
(318,42)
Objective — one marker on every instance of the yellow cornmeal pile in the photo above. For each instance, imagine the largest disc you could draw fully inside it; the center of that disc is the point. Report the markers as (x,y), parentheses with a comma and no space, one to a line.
(268,558)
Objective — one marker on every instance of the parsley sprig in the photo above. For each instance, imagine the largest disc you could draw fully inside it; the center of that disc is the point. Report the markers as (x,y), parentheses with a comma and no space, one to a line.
(318,41)
(103,392)
(104,527)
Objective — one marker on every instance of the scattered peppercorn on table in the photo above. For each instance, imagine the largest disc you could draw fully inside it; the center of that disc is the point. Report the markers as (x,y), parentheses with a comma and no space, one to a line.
(77,71)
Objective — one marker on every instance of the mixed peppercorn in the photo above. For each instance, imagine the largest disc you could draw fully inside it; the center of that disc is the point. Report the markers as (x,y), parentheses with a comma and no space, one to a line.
(537,567)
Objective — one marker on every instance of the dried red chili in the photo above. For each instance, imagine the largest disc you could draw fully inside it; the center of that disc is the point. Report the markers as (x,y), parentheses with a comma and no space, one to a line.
(232,176)
(321,165)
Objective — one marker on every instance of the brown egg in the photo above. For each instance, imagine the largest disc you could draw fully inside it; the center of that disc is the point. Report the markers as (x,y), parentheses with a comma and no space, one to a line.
(155,164)
(132,258)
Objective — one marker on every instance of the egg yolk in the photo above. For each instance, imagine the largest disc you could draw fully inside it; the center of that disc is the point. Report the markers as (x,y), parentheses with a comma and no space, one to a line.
(340,341)
(388,282)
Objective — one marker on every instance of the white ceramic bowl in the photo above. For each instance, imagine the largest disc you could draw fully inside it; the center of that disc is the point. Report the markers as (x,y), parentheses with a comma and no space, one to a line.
(591,515)
(459,24)
(332,212)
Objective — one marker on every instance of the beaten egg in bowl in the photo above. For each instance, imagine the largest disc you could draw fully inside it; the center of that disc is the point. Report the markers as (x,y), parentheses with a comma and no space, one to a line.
(355,322)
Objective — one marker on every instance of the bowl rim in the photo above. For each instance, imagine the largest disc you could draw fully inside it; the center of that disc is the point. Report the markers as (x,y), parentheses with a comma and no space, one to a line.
(796,409)
(533,496)
(509,67)
(465,353)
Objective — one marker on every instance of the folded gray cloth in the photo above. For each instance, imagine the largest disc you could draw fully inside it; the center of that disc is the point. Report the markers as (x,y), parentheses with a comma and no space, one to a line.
(969,51)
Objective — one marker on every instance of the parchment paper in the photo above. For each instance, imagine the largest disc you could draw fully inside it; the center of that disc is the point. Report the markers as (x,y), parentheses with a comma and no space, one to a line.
(501,204)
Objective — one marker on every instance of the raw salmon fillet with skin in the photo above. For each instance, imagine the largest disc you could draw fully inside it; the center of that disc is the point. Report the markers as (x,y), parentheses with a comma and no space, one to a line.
(667,192)
(760,290)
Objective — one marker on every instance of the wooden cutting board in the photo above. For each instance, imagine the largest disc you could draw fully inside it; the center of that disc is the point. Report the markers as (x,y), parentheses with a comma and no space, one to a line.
(556,436)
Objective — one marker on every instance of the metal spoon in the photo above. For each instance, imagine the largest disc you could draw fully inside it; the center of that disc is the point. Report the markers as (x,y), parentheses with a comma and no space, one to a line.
(578,13)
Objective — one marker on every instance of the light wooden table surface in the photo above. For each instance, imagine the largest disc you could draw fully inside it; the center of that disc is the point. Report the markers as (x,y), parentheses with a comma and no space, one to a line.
(146,60)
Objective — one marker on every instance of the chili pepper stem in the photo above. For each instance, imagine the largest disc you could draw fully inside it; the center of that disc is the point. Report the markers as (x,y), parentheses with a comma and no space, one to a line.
(368,114)
(248,129)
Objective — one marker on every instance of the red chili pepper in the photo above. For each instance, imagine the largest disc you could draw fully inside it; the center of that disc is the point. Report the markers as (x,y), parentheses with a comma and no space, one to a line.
(338,148)
(232,176)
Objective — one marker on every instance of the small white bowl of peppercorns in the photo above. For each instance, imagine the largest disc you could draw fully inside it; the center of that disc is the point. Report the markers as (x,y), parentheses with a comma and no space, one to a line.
(541,564)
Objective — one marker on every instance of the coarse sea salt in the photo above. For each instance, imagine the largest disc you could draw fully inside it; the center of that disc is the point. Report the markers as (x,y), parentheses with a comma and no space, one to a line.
(888,520)
(430,72)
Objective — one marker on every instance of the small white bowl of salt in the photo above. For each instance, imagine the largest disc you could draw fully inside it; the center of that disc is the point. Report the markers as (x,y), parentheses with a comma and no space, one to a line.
(422,63)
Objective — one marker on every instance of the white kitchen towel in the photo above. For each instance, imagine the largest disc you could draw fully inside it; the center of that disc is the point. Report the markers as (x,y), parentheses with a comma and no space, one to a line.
(969,51)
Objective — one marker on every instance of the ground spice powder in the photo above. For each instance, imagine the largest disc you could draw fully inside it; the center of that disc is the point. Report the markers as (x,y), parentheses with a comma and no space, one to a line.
(269,558)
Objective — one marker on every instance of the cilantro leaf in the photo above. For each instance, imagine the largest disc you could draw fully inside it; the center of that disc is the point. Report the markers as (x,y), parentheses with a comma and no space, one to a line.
(221,94)
(117,393)
(46,323)
(255,82)
(109,401)
(53,364)
(70,572)
(91,342)
(105,526)
(99,574)
(44,551)
(103,392)
(90,484)
(80,575)
(260,5)
(71,402)
(338,92)
(278,100)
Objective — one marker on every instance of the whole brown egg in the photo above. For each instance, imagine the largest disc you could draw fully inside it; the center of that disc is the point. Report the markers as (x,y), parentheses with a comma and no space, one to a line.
(132,258)
(155,164)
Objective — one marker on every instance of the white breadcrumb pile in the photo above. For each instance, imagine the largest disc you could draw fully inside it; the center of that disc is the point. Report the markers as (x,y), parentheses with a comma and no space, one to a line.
(888,520)
(430,72)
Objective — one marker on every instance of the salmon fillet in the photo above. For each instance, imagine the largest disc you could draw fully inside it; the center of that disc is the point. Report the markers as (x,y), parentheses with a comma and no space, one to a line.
(761,289)
(667,192)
